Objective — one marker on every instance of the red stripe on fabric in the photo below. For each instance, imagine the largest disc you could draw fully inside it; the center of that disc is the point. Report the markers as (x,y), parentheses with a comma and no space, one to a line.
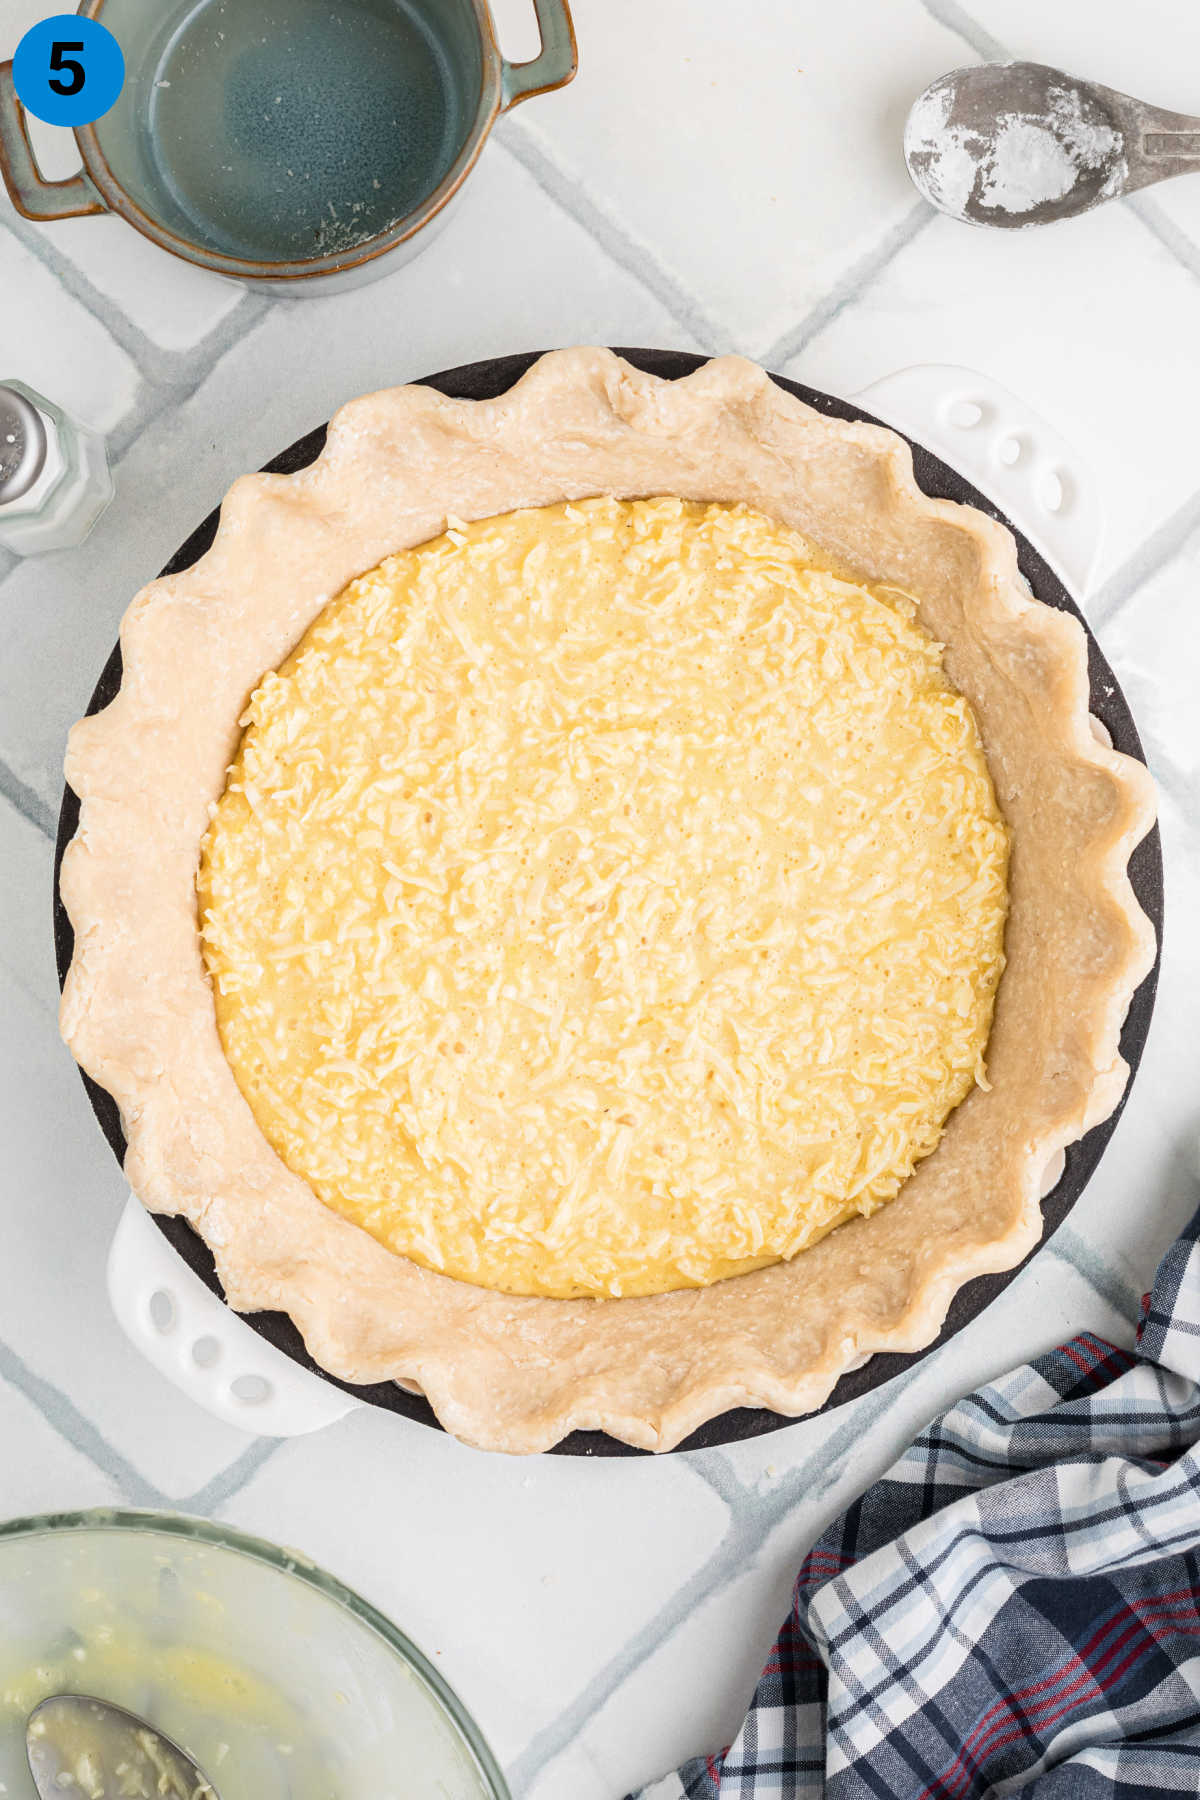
(1081,1362)
(1104,1681)
(1003,1706)
(958,1771)
(1113,1677)
(1038,1716)
(1047,1724)
(1176,1619)
(1148,1615)
(797,1659)
(1021,1695)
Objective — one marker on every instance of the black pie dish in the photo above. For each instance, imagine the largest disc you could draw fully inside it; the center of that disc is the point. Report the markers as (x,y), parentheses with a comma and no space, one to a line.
(485,380)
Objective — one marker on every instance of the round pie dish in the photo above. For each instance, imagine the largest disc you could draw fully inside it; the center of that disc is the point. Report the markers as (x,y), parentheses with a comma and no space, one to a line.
(520,1373)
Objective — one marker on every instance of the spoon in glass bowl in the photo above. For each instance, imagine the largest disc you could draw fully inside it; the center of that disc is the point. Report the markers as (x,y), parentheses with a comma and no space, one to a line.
(92,1750)
(1016,144)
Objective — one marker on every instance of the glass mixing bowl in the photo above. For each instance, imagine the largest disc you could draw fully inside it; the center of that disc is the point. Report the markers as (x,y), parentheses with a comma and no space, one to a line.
(279,1681)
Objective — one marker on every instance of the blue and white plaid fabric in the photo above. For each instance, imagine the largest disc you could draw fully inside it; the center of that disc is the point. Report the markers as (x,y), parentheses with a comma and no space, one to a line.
(1015,1606)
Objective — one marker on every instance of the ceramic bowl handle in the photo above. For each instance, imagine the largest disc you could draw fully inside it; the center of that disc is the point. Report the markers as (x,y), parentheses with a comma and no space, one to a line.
(30,192)
(555,63)
(1018,460)
(203,1347)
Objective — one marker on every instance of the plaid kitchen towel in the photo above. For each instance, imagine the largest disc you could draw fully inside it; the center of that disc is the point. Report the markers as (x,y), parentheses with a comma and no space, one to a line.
(1015,1606)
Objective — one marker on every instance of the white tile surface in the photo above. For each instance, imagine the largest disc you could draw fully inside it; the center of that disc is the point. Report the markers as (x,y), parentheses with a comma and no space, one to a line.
(694,188)
(689,1693)
(754,156)
(174,306)
(1042,312)
(70,353)
(544,1568)
(1154,645)
(575,1772)
(41,1472)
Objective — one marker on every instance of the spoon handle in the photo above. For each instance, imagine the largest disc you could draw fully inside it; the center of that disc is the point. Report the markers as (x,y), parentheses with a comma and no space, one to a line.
(1158,144)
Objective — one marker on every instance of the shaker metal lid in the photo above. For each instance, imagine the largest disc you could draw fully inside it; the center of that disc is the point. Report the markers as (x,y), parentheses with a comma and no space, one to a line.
(22,444)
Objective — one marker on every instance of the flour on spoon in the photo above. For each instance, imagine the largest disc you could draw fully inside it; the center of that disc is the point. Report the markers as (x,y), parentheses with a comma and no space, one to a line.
(1024,161)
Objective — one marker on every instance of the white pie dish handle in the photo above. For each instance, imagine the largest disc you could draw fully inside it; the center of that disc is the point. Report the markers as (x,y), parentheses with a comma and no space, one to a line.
(201,1345)
(204,1347)
(1008,451)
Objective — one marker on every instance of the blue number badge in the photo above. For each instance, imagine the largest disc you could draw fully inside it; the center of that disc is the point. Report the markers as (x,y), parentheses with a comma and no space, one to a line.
(68,70)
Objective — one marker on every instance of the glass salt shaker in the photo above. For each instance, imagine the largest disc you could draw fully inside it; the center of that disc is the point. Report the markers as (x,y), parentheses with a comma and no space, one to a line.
(54,476)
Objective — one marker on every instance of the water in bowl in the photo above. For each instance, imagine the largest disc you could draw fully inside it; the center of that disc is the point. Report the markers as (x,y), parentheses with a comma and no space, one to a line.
(288,129)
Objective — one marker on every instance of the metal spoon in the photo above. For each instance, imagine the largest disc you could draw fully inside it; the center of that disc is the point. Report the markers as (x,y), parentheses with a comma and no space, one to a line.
(1015,144)
(91,1750)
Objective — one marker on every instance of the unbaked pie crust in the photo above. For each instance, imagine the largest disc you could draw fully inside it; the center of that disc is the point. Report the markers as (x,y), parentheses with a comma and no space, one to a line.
(514,1372)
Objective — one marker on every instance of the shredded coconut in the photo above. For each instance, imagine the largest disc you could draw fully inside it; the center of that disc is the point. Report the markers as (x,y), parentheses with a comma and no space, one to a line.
(604,899)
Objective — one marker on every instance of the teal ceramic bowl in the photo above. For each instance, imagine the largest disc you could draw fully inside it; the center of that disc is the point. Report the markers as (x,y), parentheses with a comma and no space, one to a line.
(288,144)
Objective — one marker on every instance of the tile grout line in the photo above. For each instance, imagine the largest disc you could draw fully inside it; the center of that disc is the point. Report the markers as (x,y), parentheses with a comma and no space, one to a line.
(155,398)
(129,339)
(228,1483)
(1150,557)
(191,372)
(861,1414)
(172,376)
(1126,1297)
(560,187)
(753,1523)
(753,1518)
(1069,1246)
(756,1517)
(730,1487)
(1155,551)
(1174,240)
(955,18)
(155,363)
(628,253)
(715,1470)
(851,287)
(231,331)
(23,800)
(65,1418)
(618,243)
(562,1731)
